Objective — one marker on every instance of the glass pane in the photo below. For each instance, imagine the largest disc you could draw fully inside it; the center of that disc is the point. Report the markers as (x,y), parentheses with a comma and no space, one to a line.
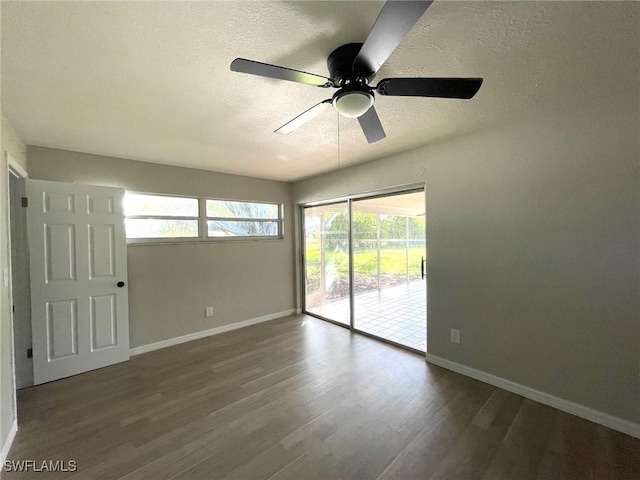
(156,228)
(417,247)
(228,209)
(159,205)
(389,244)
(365,252)
(228,228)
(327,262)
(394,252)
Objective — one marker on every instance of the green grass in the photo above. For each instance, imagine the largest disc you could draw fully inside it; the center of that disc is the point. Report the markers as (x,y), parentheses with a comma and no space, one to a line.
(392,261)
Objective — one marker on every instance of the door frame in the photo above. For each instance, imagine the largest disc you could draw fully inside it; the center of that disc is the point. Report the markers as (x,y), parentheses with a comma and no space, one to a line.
(10,167)
(399,190)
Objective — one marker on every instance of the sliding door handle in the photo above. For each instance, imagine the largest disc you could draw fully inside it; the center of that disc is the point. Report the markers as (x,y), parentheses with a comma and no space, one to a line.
(422,267)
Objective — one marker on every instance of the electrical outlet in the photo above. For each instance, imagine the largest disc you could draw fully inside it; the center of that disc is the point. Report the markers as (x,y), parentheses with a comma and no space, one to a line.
(455,336)
(209,312)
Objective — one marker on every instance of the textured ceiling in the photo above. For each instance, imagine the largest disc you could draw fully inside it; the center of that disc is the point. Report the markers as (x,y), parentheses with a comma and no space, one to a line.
(151,80)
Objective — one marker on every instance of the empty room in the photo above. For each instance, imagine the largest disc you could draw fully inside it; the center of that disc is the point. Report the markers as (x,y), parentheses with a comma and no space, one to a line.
(320,239)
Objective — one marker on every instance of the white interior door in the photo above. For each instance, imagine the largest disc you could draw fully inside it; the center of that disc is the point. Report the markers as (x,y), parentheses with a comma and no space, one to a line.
(78,257)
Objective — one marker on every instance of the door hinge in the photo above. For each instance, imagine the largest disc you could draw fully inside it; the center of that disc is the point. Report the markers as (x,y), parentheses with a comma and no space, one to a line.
(29,352)
(25,202)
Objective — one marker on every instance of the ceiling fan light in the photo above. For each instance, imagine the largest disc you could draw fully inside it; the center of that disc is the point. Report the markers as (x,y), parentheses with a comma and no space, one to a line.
(353,104)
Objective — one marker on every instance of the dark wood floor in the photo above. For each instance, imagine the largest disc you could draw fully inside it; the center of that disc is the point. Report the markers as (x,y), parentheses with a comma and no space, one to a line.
(300,398)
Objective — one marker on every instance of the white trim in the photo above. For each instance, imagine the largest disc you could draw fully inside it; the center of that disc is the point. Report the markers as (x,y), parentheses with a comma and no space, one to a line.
(13,164)
(298,311)
(207,333)
(8,442)
(624,426)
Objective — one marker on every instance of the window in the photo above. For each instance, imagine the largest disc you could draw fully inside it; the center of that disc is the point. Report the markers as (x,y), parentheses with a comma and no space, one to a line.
(162,218)
(243,219)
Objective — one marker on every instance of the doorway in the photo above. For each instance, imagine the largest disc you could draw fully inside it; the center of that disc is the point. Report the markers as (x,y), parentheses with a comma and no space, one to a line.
(20,289)
(365,265)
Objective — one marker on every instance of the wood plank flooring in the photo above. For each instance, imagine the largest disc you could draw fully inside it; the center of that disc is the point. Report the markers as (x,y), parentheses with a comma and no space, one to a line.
(299,398)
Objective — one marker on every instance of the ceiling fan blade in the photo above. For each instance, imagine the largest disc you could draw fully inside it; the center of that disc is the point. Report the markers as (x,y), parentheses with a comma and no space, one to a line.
(281,73)
(303,118)
(429,87)
(396,19)
(371,126)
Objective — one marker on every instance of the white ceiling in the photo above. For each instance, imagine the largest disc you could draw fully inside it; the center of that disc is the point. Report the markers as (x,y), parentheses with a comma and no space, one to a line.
(151,81)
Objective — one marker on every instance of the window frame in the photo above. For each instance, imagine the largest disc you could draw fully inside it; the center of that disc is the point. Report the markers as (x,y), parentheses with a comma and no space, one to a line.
(202,218)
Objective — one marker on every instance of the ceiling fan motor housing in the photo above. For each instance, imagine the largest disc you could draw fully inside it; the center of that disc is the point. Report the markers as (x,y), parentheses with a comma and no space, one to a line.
(355,97)
(340,64)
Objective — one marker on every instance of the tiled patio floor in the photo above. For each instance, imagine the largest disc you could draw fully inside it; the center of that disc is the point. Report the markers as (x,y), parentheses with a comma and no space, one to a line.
(395,313)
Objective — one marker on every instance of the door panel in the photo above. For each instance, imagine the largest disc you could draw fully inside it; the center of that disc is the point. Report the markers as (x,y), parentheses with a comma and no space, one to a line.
(103,322)
(102,251)
(59,202)
(78,256)
(100,204)
(60,252)
(62,329)
(327,262)
(389,243)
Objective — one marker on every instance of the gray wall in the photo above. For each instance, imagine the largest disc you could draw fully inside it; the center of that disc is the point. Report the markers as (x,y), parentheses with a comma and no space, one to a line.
(11,143)
(533,239)
(170,285)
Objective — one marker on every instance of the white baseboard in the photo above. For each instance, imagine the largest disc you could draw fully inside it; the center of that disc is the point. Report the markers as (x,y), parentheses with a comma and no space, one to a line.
(298,311)
(8,442)
(601,418)
(207,333)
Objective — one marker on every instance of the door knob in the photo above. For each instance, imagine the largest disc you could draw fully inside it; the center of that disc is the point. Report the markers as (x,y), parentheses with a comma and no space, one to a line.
(120,284)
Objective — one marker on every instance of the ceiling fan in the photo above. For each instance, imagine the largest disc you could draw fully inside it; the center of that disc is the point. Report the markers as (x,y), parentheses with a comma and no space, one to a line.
(353,66)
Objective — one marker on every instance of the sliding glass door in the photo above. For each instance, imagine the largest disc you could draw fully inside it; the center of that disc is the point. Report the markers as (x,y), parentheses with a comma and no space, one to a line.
(326,255)
(382,239)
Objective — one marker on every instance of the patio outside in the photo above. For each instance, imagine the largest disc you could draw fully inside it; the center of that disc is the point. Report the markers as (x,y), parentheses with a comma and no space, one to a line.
(388,249)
